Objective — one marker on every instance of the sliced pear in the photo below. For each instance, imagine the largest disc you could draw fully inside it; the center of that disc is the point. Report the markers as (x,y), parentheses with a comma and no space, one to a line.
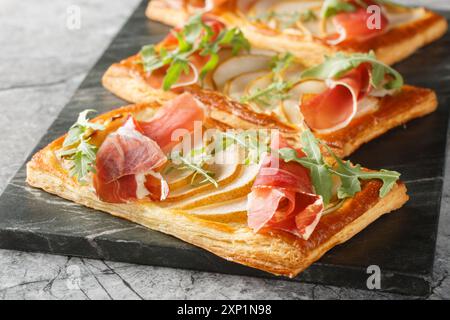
(292,73)
(235,88)
(178,178)
(289,7)
(260,7)
(226,168)
(291,111)
(259,83)
(239,65)
(256,85)
(401,17)
(367,105)
(240,187)
(229,211)
(308,86)
(263,52)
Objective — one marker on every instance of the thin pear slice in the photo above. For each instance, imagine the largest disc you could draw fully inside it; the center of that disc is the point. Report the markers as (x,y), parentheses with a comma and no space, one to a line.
(259,83)
(291,111)
(292,73)
(399,18)
(290,7)
(261,7)
(226,168)
(367,105)
(263,52)
(181,178)
(240,187)
(229,211)
(235,88)
(239,65)
(274,109)
(178,178)
(256,85)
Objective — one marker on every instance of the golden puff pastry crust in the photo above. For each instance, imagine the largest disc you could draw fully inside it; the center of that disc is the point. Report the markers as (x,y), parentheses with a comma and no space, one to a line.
(390,47)
(276,252)
(125,80)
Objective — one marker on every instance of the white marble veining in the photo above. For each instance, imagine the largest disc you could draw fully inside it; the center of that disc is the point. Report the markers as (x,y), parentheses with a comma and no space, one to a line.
(40,68)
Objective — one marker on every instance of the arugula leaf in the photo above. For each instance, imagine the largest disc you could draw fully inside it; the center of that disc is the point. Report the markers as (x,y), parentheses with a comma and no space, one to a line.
(350,176)
(333,7)
(321,172)
(278,89)
(177,66)
(267,97)
(286,19)
(319,169)
(235,38)
(336,66)
(76,146)
(149,58)
(80,127)
(195,163)
(281,62)
(232,37)
(83,160)
(308,15)
(194,38)
(255,142)
(193,29)
(210,65)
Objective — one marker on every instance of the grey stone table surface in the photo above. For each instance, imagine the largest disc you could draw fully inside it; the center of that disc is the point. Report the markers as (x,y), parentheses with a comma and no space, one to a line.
(42,62)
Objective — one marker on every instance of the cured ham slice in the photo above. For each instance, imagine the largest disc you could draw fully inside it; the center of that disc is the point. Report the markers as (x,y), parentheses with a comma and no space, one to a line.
(335,107)
(358,25)
(124,161)
(282,198)
(177,115)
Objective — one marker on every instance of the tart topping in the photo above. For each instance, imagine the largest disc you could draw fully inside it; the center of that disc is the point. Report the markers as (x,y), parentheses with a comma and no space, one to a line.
(282,198)
(354,20)
(176,116)
(188,54)
(77,147)
(350,79)
(335,107)
(123,162)
(129,159)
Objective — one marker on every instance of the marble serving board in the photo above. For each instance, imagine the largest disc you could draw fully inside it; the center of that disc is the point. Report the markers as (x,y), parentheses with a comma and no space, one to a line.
(401,244)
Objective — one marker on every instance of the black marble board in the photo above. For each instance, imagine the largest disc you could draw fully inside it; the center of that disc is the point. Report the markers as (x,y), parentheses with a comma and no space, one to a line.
(402,244)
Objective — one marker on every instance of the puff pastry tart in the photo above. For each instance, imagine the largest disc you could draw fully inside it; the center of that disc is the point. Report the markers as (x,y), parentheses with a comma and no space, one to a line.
(347,100)
(259,197)
(312,29)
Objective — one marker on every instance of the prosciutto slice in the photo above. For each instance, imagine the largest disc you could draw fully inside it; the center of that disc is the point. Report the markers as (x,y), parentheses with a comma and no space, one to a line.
(358,25)
(177,116)
(335,107)
(123,161)
(282,198)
